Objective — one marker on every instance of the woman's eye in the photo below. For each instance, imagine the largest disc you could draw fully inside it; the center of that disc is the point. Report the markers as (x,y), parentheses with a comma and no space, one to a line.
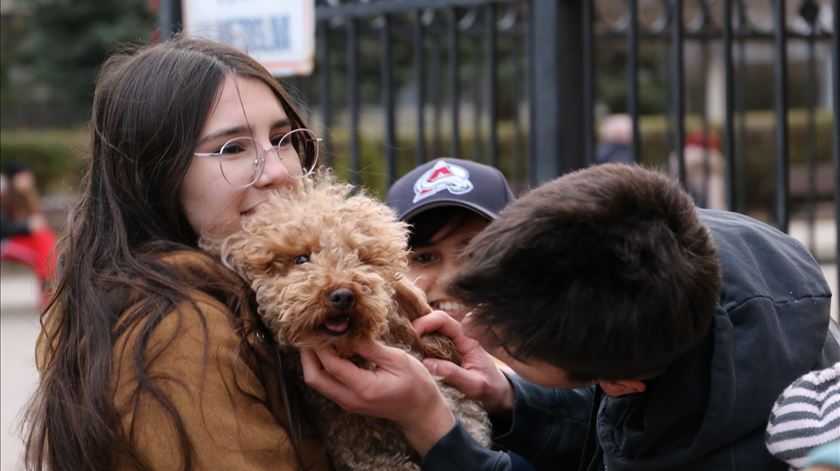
(231,149)
(423,257)
(275,140)
(301,259)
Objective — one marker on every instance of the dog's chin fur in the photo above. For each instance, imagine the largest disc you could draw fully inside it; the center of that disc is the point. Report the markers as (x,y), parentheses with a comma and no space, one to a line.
(301,247)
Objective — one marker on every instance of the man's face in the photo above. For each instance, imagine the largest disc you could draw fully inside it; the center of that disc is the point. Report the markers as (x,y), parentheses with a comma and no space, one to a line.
(533,370)
(431,266)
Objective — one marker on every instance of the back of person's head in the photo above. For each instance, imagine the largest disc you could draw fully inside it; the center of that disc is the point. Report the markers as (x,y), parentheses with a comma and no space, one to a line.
(606,272)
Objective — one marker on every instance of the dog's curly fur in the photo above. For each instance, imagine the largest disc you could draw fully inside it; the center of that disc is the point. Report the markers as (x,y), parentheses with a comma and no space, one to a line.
(299,250)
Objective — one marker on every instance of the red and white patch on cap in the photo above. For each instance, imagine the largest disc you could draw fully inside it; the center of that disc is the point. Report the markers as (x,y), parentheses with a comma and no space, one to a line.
(442,176)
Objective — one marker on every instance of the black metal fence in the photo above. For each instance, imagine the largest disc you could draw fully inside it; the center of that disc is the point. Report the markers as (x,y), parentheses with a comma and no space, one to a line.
(553,49)
(523,84)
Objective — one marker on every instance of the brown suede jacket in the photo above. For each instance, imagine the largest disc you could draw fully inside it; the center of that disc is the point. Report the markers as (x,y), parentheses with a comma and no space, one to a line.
(196,358)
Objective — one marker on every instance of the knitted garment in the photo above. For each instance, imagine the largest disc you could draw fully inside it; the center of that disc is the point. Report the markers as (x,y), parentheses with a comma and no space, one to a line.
(805,416)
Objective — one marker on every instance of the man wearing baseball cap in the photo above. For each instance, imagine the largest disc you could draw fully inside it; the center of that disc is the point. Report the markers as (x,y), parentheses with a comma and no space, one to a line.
(447,201)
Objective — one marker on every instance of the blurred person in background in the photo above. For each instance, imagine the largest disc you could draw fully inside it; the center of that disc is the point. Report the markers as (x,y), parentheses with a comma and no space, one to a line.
(704,169)
(152,355)
(447,202)
(26,236)
(704,163)
(614,138)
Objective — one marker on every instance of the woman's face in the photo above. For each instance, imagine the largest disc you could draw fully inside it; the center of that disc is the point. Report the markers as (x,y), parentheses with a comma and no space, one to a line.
(212,205)
(431,265)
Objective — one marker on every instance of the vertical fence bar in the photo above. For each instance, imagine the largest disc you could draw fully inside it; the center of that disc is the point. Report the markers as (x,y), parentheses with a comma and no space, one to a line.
(388,101)
(542,74)
(169,12)
(492,80)
(729,92)
(587,25)
(437,101)
(633,76)
(835,98)
(811,203)
(324,72)
(781,108)
(522,169)
(454,88)
(478,97)
(570,153)
(679,87)
(739,157)
(704,116)
(420,78)
(353,100)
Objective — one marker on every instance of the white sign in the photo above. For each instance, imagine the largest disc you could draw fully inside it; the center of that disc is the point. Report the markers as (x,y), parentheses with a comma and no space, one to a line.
(280,34)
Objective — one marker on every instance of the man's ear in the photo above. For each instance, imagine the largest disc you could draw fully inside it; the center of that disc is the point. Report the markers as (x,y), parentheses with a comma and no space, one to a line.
(622,387)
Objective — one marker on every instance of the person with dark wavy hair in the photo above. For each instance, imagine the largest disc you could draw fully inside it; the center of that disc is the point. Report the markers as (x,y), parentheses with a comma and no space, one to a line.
(152,355)
(645,334)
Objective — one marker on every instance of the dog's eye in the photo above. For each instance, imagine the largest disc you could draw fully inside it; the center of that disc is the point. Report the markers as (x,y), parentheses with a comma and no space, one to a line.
(301,259)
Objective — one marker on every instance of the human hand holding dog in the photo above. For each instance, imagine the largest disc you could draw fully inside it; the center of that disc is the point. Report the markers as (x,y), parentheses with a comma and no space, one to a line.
(478,377)
(398,388)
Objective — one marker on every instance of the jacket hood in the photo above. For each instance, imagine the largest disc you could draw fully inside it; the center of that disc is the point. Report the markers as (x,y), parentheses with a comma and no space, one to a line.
(709,410)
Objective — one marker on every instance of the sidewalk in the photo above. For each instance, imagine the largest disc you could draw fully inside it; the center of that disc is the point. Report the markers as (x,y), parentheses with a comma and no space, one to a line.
(19,327)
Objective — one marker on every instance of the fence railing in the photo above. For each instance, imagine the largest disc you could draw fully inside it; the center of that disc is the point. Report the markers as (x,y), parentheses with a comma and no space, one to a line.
(523,85)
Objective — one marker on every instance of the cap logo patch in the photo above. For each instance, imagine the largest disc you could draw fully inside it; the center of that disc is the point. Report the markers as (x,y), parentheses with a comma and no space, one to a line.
(442,176)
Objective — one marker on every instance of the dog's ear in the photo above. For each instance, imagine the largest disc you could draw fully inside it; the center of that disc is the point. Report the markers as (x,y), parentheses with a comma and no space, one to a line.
(411,301)
(227,250)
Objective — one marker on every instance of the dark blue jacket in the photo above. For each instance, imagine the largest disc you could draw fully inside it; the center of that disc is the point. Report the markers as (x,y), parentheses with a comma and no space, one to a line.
(710,409)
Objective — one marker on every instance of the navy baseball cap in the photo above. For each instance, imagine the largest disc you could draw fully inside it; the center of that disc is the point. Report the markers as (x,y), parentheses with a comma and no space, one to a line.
(450,182)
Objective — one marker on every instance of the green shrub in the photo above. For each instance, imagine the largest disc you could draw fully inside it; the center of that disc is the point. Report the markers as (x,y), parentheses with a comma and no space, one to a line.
(757,184)
(57,157)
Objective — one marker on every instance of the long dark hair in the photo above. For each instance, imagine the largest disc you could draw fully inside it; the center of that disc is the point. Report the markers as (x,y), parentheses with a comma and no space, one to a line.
(148,111)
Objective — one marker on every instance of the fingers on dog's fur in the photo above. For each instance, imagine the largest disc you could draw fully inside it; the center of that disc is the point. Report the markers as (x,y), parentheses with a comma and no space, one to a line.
(400,332)
(440,346)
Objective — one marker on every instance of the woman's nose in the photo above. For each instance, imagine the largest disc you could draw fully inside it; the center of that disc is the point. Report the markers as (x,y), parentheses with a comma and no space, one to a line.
(274,174)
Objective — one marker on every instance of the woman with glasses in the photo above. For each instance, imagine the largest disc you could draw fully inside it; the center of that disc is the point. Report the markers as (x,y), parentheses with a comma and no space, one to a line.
(152,355)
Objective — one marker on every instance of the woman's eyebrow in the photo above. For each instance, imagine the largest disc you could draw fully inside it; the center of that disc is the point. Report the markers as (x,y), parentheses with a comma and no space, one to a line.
(223,132)
(239,130)
(281,123)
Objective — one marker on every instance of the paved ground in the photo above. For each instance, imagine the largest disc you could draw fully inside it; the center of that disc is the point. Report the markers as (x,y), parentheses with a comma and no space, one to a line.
(18,377)
(19,329)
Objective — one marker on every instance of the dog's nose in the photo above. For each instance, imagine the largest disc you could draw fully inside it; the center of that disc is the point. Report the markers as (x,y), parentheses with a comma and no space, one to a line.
(342,299)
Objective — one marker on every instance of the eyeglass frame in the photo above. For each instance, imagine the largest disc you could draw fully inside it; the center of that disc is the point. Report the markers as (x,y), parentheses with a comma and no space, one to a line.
(261,151)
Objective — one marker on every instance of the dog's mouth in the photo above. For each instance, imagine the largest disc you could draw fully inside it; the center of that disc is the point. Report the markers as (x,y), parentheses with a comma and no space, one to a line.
(336,325)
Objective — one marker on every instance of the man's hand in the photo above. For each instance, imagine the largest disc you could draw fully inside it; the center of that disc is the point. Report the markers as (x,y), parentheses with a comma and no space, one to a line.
(398,388)
(479,378)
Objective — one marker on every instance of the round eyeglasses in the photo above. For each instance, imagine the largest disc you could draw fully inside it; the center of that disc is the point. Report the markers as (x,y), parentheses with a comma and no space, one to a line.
(242,160)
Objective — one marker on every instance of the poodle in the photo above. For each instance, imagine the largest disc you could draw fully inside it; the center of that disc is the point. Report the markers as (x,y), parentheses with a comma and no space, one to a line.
(328,266)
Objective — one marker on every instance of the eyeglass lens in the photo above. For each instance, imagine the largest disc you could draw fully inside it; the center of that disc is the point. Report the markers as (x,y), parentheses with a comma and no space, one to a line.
(241,163)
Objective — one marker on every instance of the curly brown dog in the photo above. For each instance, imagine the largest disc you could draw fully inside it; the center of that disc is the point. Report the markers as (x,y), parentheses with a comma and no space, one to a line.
(328,267)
